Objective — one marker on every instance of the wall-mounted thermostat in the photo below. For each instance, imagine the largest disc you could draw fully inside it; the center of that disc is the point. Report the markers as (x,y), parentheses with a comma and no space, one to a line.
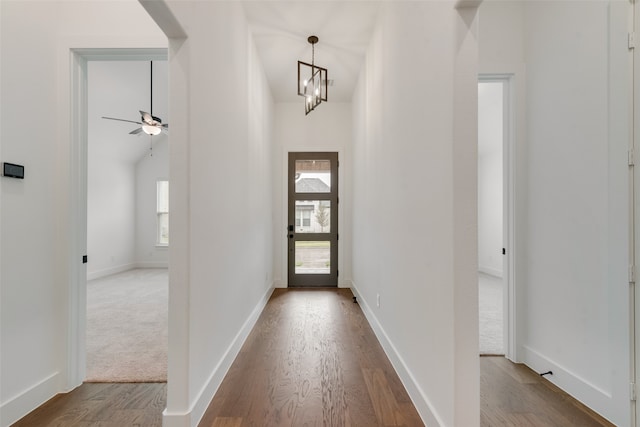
(13,171)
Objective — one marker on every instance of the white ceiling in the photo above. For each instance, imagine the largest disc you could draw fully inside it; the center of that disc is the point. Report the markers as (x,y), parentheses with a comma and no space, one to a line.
(280,31)
(120,89)
(281,28)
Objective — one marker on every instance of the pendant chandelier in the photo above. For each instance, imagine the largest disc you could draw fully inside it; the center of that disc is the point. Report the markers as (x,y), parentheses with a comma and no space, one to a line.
(312,81)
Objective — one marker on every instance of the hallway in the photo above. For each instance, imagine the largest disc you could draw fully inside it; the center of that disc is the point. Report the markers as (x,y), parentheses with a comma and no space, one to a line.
(311,359)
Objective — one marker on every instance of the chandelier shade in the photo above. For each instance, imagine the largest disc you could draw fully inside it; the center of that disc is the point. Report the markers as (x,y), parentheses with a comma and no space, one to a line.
(312,81)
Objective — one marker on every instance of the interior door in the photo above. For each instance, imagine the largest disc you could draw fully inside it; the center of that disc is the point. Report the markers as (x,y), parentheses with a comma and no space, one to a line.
(312,231)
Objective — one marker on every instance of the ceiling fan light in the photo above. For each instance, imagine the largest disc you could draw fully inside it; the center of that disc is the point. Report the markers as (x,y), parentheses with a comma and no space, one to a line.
(151,130)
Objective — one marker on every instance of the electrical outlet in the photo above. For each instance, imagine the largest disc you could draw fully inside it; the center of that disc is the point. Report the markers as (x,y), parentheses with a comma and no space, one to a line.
(378,300)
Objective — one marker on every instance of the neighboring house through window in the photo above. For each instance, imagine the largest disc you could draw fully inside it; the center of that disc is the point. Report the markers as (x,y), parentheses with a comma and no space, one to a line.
(312,216)
(303,215)
(162,236)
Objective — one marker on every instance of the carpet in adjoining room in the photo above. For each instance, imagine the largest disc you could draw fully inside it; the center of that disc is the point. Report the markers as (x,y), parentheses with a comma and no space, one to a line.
(126,335)
(491,314)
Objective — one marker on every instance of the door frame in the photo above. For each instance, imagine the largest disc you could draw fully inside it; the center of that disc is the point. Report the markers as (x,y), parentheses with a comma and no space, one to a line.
(508,211)
(313,280)
(77,295)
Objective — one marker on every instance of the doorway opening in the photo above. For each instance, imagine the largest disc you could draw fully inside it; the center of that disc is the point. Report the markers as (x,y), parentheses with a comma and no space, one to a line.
(312,230)
(495,217)
(112,170)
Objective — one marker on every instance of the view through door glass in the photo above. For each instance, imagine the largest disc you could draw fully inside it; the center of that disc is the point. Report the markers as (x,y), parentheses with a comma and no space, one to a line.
(313,219)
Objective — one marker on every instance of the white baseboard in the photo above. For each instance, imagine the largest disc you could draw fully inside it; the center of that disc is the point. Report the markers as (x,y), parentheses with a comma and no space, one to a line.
(109,271)
(581,389)
(490,271)
(124,267)
(149,264)
(424,407)
(202,400)
(176,419)
(19,406)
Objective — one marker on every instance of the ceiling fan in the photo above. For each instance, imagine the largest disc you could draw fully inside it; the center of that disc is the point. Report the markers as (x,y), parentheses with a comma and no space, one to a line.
(149,124)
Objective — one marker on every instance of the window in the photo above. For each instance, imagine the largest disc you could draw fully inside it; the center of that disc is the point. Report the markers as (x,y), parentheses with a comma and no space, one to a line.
(162,236)
(303,215)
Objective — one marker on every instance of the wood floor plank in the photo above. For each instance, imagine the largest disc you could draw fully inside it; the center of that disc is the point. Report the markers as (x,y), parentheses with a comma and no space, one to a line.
(227,422)
(383,400)
(308,355)
(102,405)
(313,360)
(514,395)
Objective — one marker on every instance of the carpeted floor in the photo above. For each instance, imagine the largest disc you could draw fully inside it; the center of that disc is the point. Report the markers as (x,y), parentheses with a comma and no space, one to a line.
(490,308)
(127,327)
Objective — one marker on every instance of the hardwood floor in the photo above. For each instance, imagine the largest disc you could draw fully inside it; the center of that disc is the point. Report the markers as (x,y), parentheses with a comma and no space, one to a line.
(102,405)
(311,360)
(515,396)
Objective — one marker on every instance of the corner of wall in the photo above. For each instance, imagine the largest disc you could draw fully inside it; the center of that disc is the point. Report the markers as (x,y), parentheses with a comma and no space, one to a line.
(192,417)
(422,403)
(18,406)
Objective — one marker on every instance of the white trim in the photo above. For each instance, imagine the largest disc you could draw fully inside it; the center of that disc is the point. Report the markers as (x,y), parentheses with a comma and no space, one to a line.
(124,267)
(18,406)
(634,308)
(76,55)
(425,408)
(490,271)
(149,264)
(111,270)
(508,274)
(198,407)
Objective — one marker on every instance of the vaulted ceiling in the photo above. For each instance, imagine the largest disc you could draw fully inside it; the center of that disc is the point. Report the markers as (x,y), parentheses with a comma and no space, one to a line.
(281,28)
(120,89)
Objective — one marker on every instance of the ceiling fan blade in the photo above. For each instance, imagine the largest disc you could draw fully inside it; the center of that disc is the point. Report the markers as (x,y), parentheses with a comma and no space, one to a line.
(121,120)
(135,131)
(146,117)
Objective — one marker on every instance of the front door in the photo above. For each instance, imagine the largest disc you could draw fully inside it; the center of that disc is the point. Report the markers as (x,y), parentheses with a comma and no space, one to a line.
(313,219)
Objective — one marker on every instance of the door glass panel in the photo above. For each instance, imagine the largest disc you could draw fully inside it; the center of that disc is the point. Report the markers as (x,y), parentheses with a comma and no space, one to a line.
(313,176)
(313,257)
(313,216)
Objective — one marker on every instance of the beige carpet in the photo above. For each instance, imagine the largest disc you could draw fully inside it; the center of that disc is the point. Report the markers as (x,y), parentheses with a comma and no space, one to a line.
(127,327)
(490,310)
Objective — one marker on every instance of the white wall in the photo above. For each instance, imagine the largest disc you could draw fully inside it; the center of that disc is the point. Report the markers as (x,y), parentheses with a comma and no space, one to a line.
(490,171)
(112,87)
(111,227)
(221,208)
(122,169)
(293,131)
(406,231)
(35,108)
(151,168)
(572,210)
